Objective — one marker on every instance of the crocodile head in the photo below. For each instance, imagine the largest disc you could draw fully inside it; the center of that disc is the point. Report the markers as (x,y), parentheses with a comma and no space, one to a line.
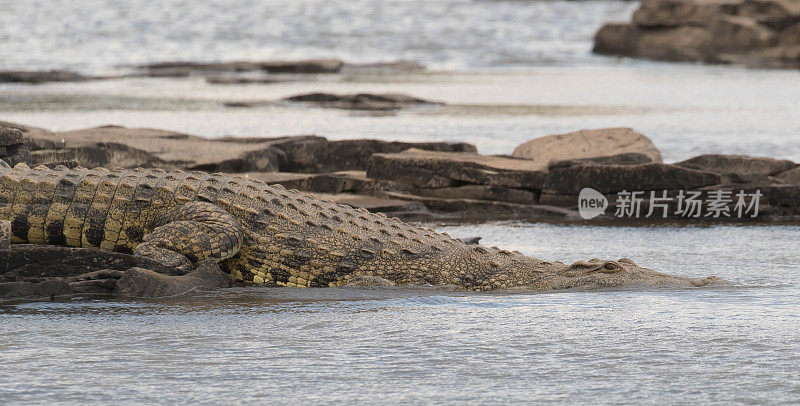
(597,273)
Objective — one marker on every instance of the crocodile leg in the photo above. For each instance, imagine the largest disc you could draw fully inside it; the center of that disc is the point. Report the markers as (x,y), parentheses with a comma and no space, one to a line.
(191,234)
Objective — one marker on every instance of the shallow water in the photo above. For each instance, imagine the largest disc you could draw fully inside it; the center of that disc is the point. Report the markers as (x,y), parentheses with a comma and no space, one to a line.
(510,71)
(722,344)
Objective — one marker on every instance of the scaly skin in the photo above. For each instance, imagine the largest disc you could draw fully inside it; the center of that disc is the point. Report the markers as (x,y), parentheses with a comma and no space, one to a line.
(268,235)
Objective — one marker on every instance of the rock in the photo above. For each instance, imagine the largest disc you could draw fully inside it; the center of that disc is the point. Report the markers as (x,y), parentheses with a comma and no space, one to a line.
(604,142)
(486,210)
(481,192)
(332,183)
(616,178)
(10,136)
(179,68)
(360,101)
(235,80)
(316,155)
(740,34)
(46,289)
(17,76)
(37,263)
(628,158)
(131,147)
(738,168)
(28,131)
(103,154)
(775,14)
(140,282)
(384,67)
(673,13)
(791,177)
(755,33)
(432,169)
(372,203)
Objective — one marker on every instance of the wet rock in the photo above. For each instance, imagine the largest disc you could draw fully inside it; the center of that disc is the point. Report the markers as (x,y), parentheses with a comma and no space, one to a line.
(791,177)
(140,282)
(616,178)
(179,68)
(430,169)
(37,263)
(44,290)
(18,76)
(360,101)
(738,168)
(604,142)
(235,80)
(384,67)
(751,32)
(628,158)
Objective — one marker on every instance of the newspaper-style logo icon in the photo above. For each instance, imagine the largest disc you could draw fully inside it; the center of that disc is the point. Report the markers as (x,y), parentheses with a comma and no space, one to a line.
(591,203)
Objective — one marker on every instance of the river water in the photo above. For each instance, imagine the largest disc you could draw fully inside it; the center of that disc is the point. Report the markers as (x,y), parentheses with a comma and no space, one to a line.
(510,71)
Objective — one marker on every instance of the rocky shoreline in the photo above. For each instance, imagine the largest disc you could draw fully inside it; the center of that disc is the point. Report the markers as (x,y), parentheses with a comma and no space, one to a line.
(755,33)
(542,180)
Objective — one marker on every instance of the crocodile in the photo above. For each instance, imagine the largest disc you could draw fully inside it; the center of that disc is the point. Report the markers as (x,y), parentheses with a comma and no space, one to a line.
(268,235)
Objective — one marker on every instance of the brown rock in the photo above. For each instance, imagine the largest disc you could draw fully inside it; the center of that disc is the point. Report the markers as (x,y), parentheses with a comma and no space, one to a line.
(791,177)
(740,34)
(385,67)
(616,178)
(587,144)
(179,68)
(361,101)
(738,168)
(10,137)
(481,192)
(372,203)
(320,155)
(776,14)
(616,39)
(628,158)
(429,169)
(28,131)
(673,13)
(334,182)
(36,263)
(41,76)
(487,210)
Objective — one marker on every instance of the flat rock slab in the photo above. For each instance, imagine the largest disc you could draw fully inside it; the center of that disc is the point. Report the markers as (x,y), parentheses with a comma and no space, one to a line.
(738,167)
(616,178)
(429,169)
(42,272)
(587,144)
(118,146)
(484,210)
(331,183)
(372,203)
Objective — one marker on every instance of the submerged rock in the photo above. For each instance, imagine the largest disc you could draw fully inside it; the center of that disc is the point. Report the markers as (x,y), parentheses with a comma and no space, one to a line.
(597,145)
(360,101)
(19,76)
